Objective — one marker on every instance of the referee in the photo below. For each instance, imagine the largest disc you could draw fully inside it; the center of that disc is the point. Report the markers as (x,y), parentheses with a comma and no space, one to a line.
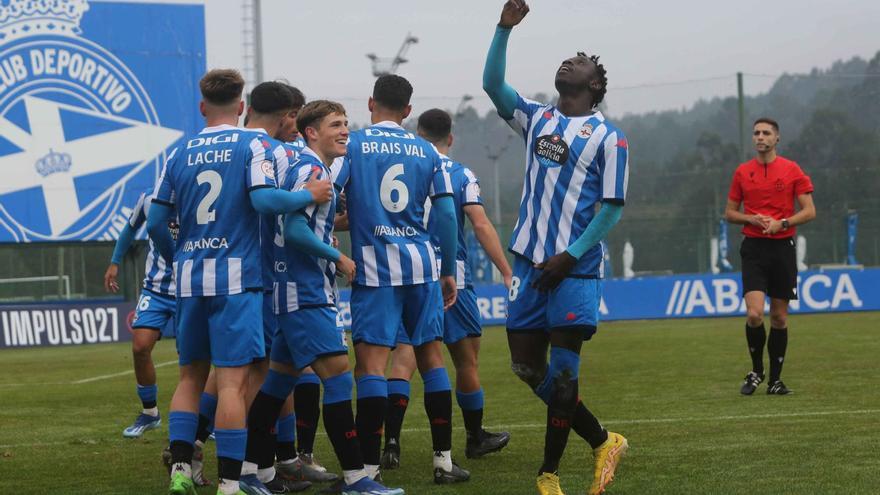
(767,187)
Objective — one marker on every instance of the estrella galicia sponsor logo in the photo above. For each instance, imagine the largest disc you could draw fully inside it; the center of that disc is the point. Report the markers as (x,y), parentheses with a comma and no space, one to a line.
(551,150)
(76,126)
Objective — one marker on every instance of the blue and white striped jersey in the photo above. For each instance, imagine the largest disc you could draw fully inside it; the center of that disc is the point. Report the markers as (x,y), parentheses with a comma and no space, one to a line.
(303,280)
(268,221)
(208,181)
(571,164)
(388,173)
(158,276)
(296,145)
(465,191)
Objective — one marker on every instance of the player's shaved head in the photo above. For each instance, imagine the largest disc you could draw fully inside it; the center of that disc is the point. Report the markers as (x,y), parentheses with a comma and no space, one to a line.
(273,97)
(392,92)
(435,125)
(314,113)
(221,87)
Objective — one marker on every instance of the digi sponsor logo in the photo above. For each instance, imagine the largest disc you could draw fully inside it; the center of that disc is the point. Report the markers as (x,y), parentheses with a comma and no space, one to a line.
(76,126)
(721,296)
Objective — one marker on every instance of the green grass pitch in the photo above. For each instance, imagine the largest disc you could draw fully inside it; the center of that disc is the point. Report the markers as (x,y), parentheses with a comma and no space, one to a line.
(671,387)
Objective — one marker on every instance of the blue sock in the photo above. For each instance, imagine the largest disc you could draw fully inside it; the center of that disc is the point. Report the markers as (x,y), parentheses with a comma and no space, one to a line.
(182,426)
(338,388)
(372,386)
(470,401)
(308,378)
(208,406)
(278,385)
(436,380)
(231,443)
(471,404)
(397,386)
(148,395)
(286,428)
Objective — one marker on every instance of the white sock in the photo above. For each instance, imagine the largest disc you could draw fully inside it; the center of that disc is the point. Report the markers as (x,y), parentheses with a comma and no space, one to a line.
(353,476)
(288,461)
(371,470)
(228,487)
(181,467)
(153,411)
(248,468)
(266,475)
(443,460)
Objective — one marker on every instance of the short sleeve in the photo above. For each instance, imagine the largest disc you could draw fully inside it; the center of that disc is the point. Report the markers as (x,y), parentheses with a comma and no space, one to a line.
(164,192)
(341,168)
(802,184)
(523,114)
(441,183)
(138,214)
(261,168)
(615,168)
(736,192)
(470,189)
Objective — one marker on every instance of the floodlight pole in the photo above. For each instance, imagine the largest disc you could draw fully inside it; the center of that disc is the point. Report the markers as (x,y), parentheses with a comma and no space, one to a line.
(741,108)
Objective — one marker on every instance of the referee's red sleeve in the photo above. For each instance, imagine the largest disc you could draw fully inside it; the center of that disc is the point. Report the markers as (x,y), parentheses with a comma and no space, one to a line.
(803,184)
(736,193)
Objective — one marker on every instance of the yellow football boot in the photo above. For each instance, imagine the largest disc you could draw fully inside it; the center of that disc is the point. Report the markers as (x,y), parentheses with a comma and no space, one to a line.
(607,458)
(548,484)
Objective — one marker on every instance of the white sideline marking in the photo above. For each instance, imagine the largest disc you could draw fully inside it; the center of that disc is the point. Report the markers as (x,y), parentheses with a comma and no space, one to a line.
(530,426)
(84,380)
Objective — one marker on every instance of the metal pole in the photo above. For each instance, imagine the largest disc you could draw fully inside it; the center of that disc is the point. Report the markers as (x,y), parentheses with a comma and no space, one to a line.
(258,42)
(741,107)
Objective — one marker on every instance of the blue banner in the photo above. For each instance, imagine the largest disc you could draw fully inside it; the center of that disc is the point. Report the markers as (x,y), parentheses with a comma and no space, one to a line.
(92,95)
(852,226)
(65,324)
(693,296)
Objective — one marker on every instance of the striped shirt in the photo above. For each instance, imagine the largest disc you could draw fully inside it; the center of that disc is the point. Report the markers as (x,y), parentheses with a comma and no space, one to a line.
(465,191)
(571,164)
(302,280)
(208,182)
(388,173)
(158,276)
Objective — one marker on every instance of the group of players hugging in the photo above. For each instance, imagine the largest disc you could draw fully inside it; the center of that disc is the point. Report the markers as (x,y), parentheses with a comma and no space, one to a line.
(244,260)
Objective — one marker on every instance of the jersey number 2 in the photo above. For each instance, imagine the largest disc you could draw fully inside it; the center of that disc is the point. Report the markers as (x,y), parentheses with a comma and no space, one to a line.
(391,184)
(204,213)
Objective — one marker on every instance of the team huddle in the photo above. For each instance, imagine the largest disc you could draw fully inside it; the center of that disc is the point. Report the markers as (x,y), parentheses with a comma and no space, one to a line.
(243,258)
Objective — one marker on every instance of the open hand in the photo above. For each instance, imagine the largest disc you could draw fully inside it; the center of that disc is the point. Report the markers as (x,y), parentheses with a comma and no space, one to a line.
(110,282)
(321,189)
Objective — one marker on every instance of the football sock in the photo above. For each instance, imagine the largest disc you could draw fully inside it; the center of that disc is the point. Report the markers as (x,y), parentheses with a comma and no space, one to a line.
(587,426)
(285,447)
(471,404)
(563,375)
(438,406)
(398,400)
(776,345)
(148,394)
(372,394)
(207,410)
(339,422)
(306,395)
(755,336)
(262,417)
(181,435)
(230,455)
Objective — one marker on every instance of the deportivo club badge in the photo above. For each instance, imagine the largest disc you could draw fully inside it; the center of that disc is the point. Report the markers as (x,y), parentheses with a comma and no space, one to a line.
(78,131)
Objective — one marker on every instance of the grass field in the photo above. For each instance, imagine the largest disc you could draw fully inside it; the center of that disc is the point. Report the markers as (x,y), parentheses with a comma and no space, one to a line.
(671,387)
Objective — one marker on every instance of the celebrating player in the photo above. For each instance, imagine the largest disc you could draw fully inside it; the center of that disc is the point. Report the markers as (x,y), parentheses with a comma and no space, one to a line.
(575,159)
(767,187)
(461,323)
(219,182)
(388,174)
(155,309)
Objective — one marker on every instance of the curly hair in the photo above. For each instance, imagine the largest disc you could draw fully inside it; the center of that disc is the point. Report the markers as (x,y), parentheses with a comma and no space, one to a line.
(598,94)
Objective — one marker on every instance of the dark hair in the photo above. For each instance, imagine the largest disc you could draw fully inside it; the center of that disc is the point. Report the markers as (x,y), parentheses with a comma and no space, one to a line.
(767,120)
(221,86)
(272,97)
(598,94)
(299,99)
(313,114)
(392,92)
(435,125)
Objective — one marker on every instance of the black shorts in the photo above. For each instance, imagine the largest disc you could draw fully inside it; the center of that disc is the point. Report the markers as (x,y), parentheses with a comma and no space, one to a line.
(769,266)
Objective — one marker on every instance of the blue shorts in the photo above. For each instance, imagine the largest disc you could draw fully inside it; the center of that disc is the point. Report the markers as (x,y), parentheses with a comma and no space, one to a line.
(460,321)
(270,321)
(308,334)
(223,329)
(155,311)
(574,303)
(378,312)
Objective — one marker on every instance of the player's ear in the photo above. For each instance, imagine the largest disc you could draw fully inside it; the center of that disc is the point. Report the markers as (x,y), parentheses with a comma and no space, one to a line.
(202,108)
(371,104)
(449,140)
(240,107)
(407,111)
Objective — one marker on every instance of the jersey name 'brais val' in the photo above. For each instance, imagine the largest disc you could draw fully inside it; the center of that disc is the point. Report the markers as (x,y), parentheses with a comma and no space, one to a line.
(158,276)
(571,164)
(465,191)
(208,182)
(388,173)
(302,280)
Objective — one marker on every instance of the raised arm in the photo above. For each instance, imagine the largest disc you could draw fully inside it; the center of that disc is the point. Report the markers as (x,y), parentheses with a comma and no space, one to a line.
(502,94)
(488,237)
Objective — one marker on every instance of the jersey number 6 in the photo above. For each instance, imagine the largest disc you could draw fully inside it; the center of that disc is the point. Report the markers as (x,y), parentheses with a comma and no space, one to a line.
(389,185)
